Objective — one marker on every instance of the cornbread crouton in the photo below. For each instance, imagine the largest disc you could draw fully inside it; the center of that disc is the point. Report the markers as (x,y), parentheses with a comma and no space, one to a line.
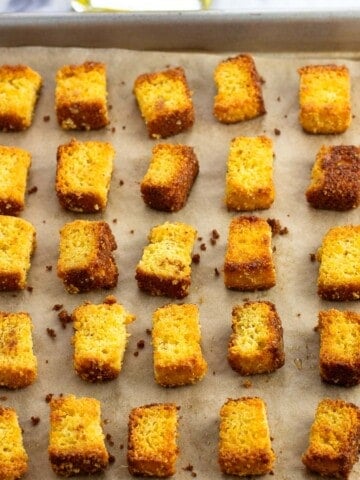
(324,97)
(339,257)
(152,440)
(165,266)
(334,439)
(17,243)
(13,457)
(256,343)
(19,90)
(85,258)
(18,364)
(340,347)
(239,93)
(248,261)
(165,102)
(81,96)
(176,336)
(83,175)
(249,177)
(14,165)
(245,446)
(171,174)
(76,443)
(99,340)
(335,178)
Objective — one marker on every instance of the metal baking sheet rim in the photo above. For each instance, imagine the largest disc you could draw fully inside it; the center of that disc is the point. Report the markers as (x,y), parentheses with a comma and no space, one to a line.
(201,31)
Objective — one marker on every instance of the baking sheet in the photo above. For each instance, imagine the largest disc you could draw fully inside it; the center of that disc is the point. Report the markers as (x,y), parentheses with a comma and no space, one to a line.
(262,32)
(292,392)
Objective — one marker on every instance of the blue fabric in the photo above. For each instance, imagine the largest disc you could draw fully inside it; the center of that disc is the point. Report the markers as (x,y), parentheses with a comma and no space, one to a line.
(62,6)
(14,6)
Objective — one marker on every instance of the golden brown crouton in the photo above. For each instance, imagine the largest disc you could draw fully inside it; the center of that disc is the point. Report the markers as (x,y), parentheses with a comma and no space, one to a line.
(165,102)
(339,257)
(13,457)
(249,177)
(17,243)
(340,347)
(334,439)
(176,336)
(19,90)
(165,266)
(239,96)
(85,256)
(245,446)
(14,166)
(99,340)
(171,174)
(17,360)
(248,261)
(76,443)
(80,96)
(324,97)
(83,175)
(152,446)
(256,344)
(335,178)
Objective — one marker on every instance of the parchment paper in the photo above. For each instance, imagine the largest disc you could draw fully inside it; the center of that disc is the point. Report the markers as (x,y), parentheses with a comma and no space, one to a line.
(293,392)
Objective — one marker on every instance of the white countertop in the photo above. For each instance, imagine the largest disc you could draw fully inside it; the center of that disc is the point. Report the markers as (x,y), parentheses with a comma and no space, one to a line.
(62,6)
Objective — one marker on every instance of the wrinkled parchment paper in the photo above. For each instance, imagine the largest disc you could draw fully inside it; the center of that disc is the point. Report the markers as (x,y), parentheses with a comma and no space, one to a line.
(293,392)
